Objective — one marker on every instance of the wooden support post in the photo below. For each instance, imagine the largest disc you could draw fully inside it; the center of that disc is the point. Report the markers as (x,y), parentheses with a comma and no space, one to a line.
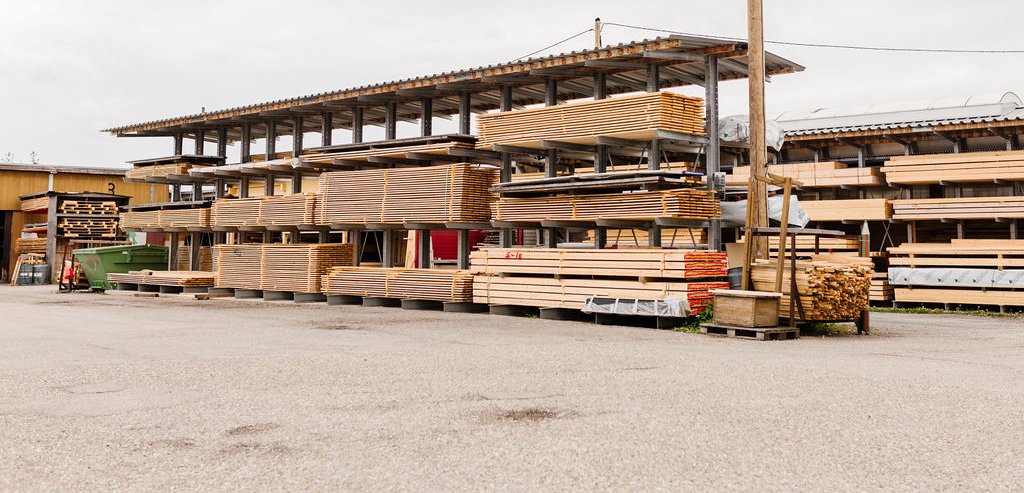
(465,110)
(427,117)
(424,259)
(178,144)
(357,124)
(390,120)
(714,151)
(271,140)
(326,128)
(246,143)
(756,205)
(387,254)
(912,232)
(463,249)
(200,142)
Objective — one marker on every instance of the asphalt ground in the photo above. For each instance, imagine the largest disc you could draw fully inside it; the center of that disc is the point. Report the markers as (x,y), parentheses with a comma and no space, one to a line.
(105,392)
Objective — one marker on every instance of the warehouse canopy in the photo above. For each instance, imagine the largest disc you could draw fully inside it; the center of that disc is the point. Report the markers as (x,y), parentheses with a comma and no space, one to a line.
(670,61)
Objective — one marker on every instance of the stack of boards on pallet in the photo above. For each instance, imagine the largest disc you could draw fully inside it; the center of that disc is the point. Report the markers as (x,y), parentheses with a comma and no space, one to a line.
(830,287)
(179,278)
(567,278)
(414,284)
(87,218)
(815,175)
(971,272)
(634,117)
(687,203)
(974,167)
(434,194)
(297,268)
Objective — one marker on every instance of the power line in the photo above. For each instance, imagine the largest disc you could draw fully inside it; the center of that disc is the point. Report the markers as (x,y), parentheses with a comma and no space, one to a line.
(824,45)
(574,36)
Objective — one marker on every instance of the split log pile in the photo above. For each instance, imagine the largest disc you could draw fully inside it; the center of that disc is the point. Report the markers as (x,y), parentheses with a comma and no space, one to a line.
(833,289)
(628,116)
(416,284)
(683,204)
(279,267)
(435,194)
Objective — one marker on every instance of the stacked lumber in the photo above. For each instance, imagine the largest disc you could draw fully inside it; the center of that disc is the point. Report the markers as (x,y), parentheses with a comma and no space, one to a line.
(185,218)
(631,262)
(88,207)
(141,173)
(130,277)
(30,245)
(140,219)
(35,204)
(880,288)
(997,254)
(185,255)
(279,267)
(617,168)
(959,208)
(435,194)
(828,289)
(416,284)
(391,151)
(848,210)
(179,278)
(87,227)
(235,213)
(288,210)
(629,238)
(572,293)
(805,245)
(974,272)
(974,167)
(628,116)
(815,175)
(683,203)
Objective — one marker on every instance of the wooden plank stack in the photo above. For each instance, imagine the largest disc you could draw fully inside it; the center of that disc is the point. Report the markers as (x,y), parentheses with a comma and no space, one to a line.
(829,289)
(628,116)
(235,213)
(140,219)
(185,218)
(998,254)
(279,267)
(395,152)
(288,210)
(683,203)
(959,208)
(35,204)
(881,290)
(848,210)
(416,284)
(974,167)
(178,278)
(30,245)
(632,262)
(435,194)
(829,174)
(141,173)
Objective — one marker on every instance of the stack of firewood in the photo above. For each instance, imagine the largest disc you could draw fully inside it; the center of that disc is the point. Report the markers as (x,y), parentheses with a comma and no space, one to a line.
(835,288)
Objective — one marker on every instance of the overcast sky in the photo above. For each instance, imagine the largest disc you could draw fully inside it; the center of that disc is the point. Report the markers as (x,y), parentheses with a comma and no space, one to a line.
(70,68)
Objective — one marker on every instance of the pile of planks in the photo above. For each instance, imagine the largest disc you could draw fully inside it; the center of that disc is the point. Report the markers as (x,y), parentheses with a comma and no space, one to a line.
(30,245)
(833,289)
(632,262)
(881,290)
(975,272)
(848,210)
(279,267)
(996,254)
(89,207)
(416,284)
(974,167)
(435,194)
(35,204)
(141,173)
(572,293)
(236,213)
(288,210)
(627,116)
(180,278)
(140,219)
(959,208)
(815,175)
(87,227)
(683,203)
(167,218)
(390,151)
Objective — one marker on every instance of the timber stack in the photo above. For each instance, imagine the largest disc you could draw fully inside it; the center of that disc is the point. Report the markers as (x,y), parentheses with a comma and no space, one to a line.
(287,210)
(412,284)
(236,213)
(686,203)
(835,289)
(279,267)
(963,271)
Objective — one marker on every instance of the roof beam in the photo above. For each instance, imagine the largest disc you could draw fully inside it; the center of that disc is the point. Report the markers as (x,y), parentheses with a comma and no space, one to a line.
(558,72)
(615,64)
(639,85)
(673,55)
(512,79)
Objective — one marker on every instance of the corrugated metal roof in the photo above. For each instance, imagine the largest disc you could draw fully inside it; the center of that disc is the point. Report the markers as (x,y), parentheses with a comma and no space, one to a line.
(733,68)
(973,109)
(42,168)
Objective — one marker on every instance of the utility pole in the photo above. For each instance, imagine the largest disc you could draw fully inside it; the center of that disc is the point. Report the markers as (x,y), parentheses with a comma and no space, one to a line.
(597,32)
(757,207)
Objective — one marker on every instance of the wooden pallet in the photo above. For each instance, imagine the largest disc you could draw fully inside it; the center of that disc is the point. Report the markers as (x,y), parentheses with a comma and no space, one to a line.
(616,115)
(631,263)
(754,333)
(415,284)
(684,203)
(829,174)
(973,167)
(435,194)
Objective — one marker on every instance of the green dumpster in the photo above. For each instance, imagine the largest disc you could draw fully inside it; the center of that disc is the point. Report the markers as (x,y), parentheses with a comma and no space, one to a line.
(98,262)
